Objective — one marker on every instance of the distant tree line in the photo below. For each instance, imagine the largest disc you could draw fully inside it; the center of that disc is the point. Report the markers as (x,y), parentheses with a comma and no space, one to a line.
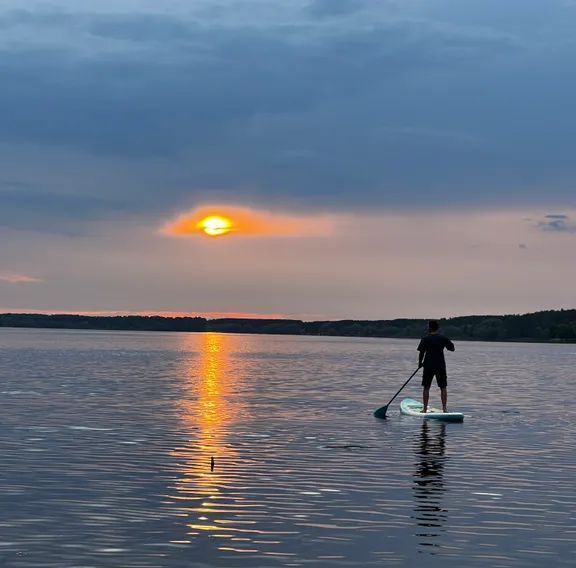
(555,325)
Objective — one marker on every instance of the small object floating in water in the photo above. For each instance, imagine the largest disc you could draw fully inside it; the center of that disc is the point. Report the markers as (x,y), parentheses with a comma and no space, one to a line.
(412,407)
(212,463)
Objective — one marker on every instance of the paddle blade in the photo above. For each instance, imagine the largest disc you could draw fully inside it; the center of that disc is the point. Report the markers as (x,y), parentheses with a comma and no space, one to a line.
(381,412)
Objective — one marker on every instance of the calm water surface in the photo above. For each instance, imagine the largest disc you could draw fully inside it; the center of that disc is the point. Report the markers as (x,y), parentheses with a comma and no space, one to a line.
(106,441)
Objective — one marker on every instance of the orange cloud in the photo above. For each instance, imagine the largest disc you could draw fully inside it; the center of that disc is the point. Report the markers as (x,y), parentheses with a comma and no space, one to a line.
(14,278)
(244,221)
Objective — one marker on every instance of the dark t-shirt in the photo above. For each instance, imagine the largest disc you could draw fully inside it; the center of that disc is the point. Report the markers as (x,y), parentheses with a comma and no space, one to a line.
(433,346)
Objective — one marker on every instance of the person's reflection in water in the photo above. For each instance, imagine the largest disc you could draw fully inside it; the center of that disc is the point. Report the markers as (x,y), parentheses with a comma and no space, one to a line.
(429,486)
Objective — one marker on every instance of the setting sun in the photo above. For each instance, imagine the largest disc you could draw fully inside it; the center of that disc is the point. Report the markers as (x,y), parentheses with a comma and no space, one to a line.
(215,225)
(217,220)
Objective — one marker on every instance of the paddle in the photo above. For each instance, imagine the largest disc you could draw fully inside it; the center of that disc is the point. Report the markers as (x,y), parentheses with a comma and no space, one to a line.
(381,412)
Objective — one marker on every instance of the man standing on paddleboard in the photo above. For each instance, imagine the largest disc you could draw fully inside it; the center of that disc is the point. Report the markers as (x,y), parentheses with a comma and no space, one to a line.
(431,357)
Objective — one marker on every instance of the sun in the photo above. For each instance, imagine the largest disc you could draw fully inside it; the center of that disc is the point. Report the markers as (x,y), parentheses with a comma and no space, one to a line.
(215,225)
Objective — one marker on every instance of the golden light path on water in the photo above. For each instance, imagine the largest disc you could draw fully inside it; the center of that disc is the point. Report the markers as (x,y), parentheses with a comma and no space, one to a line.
(205,490)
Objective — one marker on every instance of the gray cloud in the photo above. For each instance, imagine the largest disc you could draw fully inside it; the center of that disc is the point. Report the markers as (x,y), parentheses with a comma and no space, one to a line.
(322,8)
(136,106)
(130,27)
(558,224)
(23,207)
(385,108)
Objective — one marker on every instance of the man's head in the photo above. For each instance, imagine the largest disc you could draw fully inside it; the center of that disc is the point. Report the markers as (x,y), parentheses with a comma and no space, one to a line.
(433,326)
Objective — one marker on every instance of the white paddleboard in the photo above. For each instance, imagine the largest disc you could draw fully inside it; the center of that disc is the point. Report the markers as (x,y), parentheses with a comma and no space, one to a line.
(412,407)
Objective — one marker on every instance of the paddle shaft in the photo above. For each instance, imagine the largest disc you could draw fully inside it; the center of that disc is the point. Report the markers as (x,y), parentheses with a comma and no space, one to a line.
(402,387)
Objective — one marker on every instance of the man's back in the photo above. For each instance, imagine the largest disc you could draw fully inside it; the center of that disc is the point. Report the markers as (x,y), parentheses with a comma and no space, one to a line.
(433,346)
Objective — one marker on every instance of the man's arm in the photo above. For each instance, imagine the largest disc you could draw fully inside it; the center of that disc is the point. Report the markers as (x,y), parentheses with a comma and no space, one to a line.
(450,345)
(421,353)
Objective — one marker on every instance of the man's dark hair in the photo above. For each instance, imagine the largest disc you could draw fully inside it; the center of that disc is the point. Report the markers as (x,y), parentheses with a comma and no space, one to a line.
(433,325)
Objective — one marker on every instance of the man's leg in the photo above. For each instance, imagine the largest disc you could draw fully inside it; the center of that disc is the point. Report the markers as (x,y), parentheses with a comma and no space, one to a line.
(427,376)
(444,396)
(425,397)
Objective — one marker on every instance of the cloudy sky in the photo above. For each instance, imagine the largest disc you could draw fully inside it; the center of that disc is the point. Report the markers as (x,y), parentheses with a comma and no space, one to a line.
(400,157)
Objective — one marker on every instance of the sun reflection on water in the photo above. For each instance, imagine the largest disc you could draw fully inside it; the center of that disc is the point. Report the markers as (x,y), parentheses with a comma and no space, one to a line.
(205,488)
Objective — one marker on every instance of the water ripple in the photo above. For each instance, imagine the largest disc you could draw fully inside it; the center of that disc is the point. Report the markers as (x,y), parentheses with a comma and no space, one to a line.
(170,450)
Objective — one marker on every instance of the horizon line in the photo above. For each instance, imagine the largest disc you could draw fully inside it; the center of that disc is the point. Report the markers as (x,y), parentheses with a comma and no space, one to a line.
(211,316)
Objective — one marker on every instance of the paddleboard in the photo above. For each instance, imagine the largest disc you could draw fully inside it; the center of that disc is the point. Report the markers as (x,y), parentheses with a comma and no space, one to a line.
(412,407)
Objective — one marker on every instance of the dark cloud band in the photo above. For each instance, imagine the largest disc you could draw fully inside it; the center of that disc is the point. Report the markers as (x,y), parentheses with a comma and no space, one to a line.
(336,112)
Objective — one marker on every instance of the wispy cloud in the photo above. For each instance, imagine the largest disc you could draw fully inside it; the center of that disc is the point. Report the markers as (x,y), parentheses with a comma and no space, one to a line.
(16,278)
(558,223)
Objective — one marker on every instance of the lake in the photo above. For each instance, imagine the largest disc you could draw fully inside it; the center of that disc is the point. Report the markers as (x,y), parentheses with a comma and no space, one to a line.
(106,443)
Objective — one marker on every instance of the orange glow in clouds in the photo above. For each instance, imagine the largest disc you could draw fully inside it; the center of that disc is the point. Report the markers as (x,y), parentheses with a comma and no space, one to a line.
(222,220)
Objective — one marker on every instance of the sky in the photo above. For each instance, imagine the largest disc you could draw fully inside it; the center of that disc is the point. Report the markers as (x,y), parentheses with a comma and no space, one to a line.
(379,159)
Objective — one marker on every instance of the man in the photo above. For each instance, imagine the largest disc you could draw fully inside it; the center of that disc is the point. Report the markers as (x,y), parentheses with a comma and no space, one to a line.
(431,357)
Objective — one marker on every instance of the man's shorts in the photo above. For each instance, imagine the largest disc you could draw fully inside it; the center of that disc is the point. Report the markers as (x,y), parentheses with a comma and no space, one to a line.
(430,373)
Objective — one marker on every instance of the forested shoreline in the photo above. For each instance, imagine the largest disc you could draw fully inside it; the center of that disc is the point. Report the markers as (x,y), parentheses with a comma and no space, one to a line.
(552,325)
